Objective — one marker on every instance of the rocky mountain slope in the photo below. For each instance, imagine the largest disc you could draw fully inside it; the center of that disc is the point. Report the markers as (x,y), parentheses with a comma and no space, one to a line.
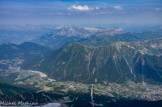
(119,62)
(106,39)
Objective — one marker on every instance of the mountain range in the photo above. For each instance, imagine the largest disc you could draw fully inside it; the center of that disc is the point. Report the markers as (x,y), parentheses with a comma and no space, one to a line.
(71,64)
(118,62)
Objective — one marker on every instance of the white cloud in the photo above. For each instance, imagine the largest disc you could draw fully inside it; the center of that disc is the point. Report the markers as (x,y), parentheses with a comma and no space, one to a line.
(157,9)
(80,8)
(97,8)
(118,7)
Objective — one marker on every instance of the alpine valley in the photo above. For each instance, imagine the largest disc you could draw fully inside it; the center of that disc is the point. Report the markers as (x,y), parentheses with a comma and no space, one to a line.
(81,67)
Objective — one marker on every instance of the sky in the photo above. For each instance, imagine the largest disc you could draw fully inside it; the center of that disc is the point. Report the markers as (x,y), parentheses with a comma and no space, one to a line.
(81,12)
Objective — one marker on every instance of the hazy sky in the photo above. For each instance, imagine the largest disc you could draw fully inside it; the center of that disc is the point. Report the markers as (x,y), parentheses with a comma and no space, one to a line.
(80,12)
